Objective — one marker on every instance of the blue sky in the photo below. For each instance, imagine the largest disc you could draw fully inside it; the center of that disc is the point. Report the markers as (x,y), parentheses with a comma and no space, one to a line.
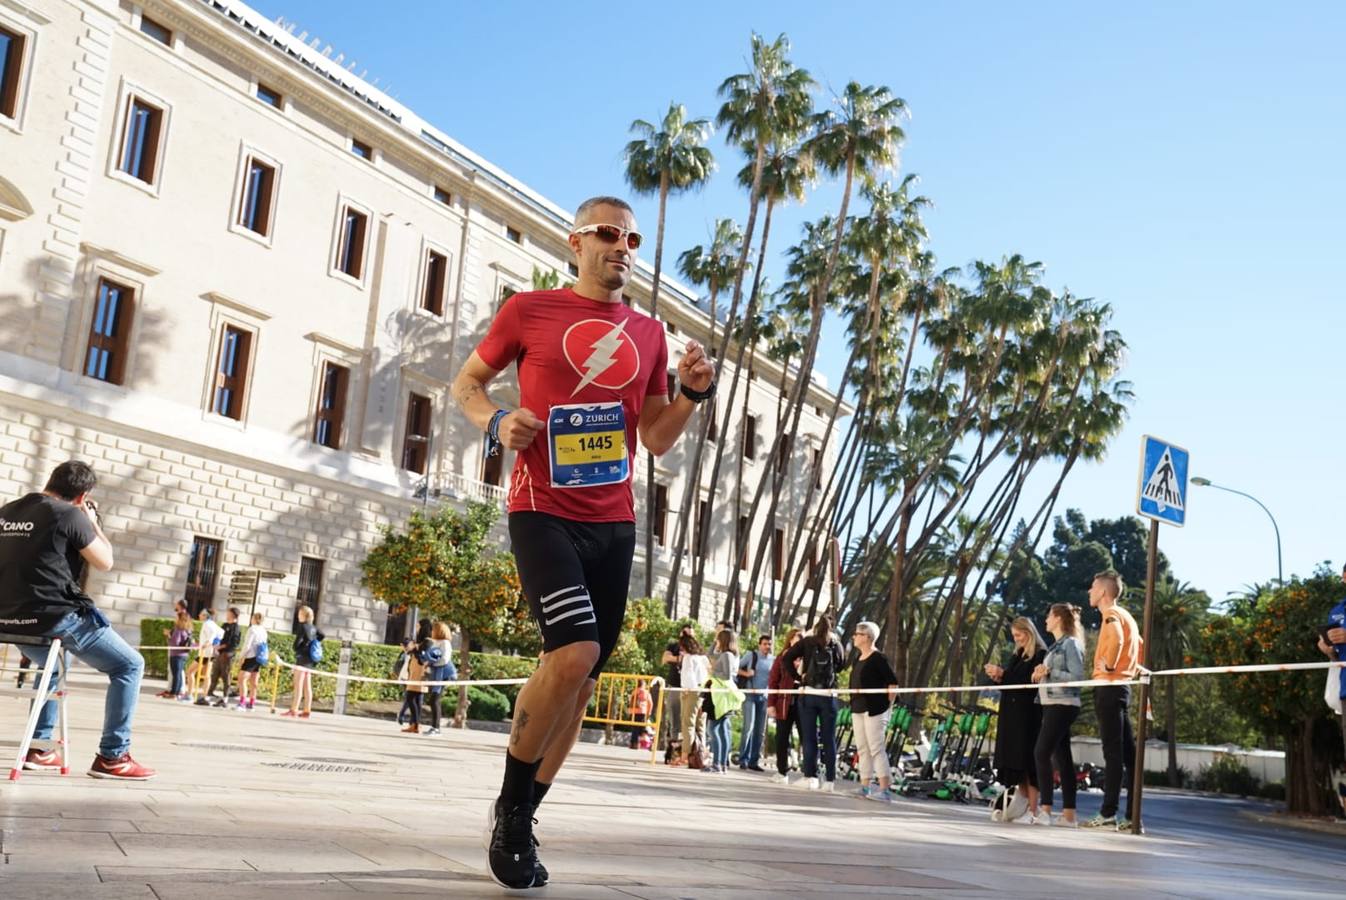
(1183,162)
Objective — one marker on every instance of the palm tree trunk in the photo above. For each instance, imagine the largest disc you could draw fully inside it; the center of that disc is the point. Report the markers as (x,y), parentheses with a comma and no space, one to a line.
(464,674)
(671,598)
(649,455)
(740,611)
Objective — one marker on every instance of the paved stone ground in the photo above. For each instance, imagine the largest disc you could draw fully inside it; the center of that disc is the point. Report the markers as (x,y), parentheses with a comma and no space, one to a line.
(230,817)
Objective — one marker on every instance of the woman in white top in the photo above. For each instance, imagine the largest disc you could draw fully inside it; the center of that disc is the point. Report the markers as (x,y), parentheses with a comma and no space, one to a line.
(252,643)
(695,670)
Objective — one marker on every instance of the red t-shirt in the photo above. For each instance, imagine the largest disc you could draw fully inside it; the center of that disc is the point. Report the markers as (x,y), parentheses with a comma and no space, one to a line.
(585,368)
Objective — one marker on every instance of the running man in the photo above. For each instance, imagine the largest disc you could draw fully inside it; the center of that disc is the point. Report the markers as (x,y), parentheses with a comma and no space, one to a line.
(592,378)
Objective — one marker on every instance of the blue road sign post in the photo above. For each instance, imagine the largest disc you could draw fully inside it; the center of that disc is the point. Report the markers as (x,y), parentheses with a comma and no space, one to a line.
(1162,493)
(1160,497)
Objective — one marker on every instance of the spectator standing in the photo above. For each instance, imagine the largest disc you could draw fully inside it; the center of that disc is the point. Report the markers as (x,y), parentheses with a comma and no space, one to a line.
(439,658)
(783,707)
(871,671)
(1020,715)
(1060,708)
(672,660)
(1116,658)
(412,672)
(724,698)
(230,638)
(642,704)
(695,669)
(306,637)
(823,664)
(754,674)
(208,638)
(180,644)
(1332,642)
(255,649)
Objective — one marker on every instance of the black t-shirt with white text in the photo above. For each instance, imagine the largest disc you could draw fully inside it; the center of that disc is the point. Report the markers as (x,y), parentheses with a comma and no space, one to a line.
(40,564)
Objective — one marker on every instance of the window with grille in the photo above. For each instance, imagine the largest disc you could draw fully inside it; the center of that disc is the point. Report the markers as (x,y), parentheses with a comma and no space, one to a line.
(436,280)
(259,191)
(702,538)
(142,136)
(231,373)
(416,442)
(310,588)
(331,413)
(109,332)
(659,517)
(749,436)
(202,574)
(351,249)
(11,69)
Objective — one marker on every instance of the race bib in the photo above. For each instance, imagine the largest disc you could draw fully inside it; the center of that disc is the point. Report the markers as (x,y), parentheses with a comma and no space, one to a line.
(587,442)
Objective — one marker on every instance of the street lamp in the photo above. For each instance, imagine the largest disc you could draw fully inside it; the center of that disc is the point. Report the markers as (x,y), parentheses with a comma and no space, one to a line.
(1206,482)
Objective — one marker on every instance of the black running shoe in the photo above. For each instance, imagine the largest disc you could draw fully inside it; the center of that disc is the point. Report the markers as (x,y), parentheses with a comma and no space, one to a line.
(510,854)
(542,876)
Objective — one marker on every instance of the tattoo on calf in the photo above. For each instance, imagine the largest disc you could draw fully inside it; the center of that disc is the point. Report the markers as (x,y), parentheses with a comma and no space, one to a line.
(520,722)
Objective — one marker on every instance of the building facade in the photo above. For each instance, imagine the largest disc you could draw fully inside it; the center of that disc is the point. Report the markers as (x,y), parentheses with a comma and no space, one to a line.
(238,280)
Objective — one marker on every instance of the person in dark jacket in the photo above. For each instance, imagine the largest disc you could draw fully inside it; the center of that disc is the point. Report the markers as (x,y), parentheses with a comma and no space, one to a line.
(306,635)
(1020,715)
(871,671)
(782,707)
(823,663)
(224,658)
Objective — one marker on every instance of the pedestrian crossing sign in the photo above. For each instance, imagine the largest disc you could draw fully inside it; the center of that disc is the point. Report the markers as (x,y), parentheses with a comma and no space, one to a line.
(1163,481)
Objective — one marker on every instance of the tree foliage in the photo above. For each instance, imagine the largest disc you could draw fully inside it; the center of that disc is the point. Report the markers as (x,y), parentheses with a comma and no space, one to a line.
(1281,627)
(446,563)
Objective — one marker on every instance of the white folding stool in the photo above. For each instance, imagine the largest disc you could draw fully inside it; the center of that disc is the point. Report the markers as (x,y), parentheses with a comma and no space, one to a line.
(50,685)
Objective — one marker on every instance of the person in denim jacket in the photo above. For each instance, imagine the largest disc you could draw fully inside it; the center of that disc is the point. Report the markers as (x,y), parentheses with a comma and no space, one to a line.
(1060,707)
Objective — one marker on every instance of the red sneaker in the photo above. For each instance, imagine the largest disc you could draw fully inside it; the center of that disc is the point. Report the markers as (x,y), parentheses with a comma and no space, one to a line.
(123,768)
(42,759)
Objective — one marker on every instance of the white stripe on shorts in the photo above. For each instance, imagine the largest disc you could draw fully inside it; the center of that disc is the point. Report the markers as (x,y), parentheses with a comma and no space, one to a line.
(587,609)
(548,607)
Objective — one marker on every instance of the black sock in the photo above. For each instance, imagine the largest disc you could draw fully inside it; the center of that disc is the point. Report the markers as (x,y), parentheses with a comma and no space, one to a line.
(540,789)
(517,789)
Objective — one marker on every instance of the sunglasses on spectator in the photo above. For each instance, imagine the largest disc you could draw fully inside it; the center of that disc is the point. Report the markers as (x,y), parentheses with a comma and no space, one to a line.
(611,234)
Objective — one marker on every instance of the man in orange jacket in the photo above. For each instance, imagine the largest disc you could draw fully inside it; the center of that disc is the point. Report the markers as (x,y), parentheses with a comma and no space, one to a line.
(1116,658)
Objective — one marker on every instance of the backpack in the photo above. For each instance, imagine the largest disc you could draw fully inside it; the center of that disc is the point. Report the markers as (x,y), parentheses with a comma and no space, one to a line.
(315,650)
(745,682)
(263,656)
(820,669)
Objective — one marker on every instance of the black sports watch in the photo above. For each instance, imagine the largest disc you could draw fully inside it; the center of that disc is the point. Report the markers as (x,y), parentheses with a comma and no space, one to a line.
(698,396)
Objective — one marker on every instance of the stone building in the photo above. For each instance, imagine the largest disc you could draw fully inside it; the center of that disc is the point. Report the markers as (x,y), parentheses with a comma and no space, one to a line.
(238,279)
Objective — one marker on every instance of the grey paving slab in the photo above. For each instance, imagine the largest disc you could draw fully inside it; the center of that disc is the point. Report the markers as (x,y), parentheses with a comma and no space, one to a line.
(234,814)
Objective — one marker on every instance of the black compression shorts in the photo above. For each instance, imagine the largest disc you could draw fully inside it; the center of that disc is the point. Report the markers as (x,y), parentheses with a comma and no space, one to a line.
(576,576)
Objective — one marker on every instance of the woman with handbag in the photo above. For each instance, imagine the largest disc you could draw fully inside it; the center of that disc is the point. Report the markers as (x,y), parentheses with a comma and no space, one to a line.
(437,651)
(1020,715)
(723,699)
(306,636)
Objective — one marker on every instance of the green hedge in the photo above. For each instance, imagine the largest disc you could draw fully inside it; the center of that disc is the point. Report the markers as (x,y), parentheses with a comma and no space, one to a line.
(367,660)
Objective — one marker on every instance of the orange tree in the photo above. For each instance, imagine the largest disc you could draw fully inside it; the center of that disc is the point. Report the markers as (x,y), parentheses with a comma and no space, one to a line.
(445,562)
(1281,626)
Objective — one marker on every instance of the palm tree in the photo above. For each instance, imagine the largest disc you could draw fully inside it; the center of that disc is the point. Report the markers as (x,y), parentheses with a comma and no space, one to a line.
(662,160)
(861,137)
(767,103)
(713,266)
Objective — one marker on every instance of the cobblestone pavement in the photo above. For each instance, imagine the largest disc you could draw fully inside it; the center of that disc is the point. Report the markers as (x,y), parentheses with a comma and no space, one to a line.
(251,805)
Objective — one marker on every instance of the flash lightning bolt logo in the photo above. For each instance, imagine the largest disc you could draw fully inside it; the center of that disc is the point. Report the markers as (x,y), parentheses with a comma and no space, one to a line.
(603,358)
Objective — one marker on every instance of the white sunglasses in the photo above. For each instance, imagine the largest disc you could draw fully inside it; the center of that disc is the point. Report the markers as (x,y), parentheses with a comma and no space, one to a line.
(611,234)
